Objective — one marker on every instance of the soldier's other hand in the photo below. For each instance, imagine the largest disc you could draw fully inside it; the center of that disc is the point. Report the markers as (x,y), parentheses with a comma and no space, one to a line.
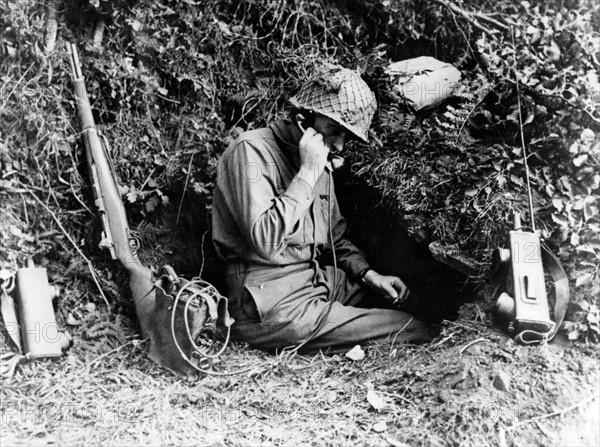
(390,287)
(313,150)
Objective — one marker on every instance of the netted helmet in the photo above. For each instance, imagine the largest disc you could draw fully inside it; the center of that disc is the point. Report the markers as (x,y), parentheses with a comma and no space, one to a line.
(341,95)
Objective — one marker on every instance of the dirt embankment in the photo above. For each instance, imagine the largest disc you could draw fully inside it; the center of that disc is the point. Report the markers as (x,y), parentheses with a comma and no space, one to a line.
(167,84)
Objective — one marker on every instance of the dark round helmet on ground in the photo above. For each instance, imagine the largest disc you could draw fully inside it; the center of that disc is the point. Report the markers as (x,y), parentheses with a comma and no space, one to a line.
(341,95)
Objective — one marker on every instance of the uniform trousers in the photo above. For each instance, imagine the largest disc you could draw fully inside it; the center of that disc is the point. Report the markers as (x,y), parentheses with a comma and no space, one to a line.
(280,306)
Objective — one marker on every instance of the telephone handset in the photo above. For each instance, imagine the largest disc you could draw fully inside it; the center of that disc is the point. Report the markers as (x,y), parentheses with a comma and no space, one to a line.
(333,161)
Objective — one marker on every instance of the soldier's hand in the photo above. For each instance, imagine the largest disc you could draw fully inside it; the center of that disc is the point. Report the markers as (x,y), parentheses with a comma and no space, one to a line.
(313,151)
(390,287)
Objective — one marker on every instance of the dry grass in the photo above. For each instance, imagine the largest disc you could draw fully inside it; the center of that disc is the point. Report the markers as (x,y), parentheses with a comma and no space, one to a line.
(439,394)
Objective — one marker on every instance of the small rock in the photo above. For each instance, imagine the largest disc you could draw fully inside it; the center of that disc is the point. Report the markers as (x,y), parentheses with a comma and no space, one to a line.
(90,307)
(458,377)
(395,443)
(356,353)
(466,384)
(379,427)
(521,353)
(501,381)
(377,401)
(444,396)
(215,438)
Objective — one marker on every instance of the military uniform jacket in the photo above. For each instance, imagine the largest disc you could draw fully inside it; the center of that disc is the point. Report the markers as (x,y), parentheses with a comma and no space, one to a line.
(274,231)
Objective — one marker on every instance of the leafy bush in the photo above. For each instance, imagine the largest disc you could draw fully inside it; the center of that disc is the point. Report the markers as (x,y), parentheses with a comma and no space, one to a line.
(457,174)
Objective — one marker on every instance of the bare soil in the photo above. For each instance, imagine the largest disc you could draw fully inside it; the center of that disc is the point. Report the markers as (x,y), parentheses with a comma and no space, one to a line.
(471,386)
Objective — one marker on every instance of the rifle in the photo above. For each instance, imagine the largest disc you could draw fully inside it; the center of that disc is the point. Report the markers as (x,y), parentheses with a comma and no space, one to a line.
(116,236)
(172,338)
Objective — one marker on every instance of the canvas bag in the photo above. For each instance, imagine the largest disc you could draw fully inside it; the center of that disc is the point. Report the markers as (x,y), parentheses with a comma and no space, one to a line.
(424,82)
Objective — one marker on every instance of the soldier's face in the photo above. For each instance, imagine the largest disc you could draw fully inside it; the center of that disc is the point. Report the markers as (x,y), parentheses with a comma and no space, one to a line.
(333,133)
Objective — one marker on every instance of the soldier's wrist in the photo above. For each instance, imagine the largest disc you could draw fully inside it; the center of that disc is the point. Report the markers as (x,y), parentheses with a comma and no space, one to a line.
(362,276)
(309,175)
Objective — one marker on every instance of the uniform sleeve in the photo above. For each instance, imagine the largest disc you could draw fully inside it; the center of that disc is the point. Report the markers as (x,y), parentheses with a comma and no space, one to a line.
(249,181)
(349,257)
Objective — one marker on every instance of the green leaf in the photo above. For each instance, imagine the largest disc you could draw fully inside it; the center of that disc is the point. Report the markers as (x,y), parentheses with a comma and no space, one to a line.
(517,180)
(529,118)
(584,280)
(501,181)
(152,203)
(563,222)
(580,160)
(574,335)
(558,203)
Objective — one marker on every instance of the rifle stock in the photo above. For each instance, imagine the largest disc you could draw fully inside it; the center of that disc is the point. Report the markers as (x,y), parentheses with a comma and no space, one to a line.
(116,237)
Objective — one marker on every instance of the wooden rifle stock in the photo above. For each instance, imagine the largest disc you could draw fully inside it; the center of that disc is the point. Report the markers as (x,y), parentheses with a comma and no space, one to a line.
(116,235)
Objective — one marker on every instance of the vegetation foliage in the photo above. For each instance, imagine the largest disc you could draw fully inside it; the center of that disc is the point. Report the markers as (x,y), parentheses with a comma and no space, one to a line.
(173,82)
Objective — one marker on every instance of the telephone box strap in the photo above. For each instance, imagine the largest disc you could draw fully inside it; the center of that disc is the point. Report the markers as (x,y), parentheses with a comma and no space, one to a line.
(561,288)
(9,314)
(10,360)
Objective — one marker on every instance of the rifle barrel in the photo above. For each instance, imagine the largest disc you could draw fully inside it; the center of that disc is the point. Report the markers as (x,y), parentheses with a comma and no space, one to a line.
(83,102)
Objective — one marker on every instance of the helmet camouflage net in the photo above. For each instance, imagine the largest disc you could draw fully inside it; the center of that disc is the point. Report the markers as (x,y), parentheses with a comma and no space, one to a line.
(341,95)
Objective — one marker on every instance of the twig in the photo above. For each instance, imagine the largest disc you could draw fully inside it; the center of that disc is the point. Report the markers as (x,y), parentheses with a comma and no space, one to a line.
(408,401)
(156,134)
(202,251)
(471,344)
(475,108)
(482,441)
(464,326)
(147,179)
(463,34)
(25,209)
(472,17)
(118,348)
(441,342)
(174,101)
(187,179)
(81,202)
(556,413)
(15,87)
(68,236)
(401,330)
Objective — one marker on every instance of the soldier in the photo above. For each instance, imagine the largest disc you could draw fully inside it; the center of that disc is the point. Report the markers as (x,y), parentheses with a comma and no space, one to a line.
(293,277)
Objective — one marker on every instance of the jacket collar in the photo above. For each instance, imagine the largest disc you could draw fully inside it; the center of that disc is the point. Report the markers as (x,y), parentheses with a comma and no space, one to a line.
(283,129)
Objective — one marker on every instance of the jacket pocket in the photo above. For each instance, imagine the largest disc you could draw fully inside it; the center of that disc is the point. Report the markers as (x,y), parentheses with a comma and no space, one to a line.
(249,306)
(322,220)
(297,237)
(274,297)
